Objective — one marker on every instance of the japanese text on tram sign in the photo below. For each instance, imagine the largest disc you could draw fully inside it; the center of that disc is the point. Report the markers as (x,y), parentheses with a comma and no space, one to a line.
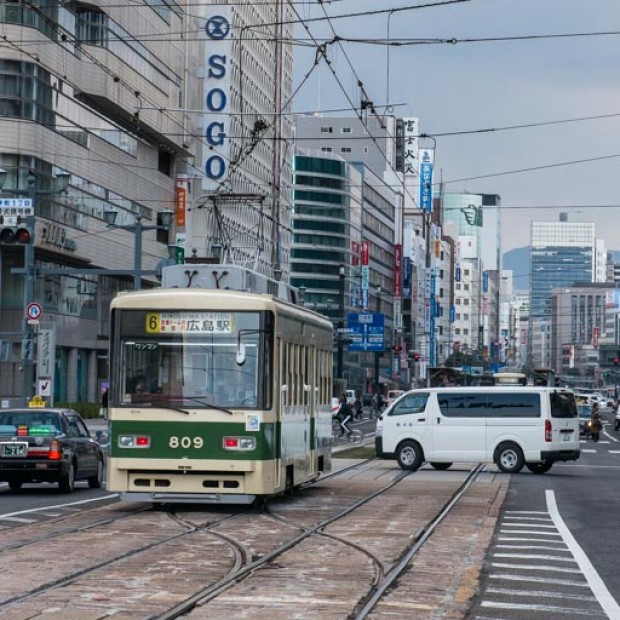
(189,323)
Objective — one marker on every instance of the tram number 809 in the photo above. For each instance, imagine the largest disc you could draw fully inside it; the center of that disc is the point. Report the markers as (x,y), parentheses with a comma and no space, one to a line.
(186,442)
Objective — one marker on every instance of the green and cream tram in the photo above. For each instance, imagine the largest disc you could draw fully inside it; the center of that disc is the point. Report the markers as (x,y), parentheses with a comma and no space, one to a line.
(216,395)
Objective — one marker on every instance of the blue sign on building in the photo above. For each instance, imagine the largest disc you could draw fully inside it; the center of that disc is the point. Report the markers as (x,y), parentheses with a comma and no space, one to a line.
(366,331)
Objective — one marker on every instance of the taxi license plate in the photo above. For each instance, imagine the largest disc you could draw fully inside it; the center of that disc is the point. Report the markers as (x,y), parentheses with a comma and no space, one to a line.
(13,449)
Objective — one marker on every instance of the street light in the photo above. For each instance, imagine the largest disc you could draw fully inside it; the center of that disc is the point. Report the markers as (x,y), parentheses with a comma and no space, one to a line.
(61,182)
(138,228)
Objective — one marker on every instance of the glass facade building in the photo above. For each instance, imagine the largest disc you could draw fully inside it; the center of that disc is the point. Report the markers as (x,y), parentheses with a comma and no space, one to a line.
(561,254)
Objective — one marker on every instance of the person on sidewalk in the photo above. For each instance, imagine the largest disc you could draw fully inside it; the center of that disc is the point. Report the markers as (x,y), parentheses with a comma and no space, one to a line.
(595,422)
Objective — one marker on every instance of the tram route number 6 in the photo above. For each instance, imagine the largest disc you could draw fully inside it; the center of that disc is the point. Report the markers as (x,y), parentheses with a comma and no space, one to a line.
(186,442)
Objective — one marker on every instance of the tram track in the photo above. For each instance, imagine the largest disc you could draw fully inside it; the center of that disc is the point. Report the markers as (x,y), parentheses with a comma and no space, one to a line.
(187,572)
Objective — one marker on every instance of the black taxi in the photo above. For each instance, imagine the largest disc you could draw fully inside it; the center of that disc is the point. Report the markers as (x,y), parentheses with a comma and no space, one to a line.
(48,445)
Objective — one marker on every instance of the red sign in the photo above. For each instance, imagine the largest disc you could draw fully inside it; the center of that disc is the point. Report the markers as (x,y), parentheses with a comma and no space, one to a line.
(364,252)
(595,337)
(180,198)
(524,336)
(398,270)
(355,253)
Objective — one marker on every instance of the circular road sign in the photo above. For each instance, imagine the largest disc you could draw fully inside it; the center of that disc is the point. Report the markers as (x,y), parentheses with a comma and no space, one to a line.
(34,311)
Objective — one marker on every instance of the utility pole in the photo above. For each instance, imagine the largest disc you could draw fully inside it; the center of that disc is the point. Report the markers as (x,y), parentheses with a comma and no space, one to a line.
(378,353)
(340,337)
(277,146)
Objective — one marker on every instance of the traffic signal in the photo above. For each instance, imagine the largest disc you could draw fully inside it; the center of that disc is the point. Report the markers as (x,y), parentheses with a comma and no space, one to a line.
(15,234)
(397,348)
(616,361)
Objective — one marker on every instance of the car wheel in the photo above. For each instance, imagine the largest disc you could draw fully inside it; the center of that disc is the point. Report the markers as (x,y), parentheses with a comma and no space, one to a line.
(95,482)
(14,485)
(441,466)
(539,468)
(616,425)
(409,455)
(509,458)
(66,484)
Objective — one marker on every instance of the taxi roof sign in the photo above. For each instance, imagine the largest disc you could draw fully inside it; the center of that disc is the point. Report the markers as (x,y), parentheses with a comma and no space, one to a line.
(37,401)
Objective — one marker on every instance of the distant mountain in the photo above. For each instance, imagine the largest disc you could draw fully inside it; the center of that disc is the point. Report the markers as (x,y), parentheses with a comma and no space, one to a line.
(518,261)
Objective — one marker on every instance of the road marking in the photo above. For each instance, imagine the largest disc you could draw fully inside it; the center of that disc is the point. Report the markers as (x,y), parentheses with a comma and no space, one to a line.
(545,608)
(604,597)
(552,569)
(614,451)
(20,519)
(535,525)
(529,518)
(545,580)
(539,547)
(529,532)
(533,556)
(65,506)
(542,594)
(538,540)
(588,451)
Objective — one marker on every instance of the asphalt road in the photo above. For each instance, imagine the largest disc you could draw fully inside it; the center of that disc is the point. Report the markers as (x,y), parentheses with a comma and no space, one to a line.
(531,571)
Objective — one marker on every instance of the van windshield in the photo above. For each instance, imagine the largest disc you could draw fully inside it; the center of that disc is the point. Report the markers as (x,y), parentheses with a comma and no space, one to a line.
(563,405)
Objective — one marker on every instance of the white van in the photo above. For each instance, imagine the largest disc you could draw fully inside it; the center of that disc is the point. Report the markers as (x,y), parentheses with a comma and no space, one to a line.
(511,427)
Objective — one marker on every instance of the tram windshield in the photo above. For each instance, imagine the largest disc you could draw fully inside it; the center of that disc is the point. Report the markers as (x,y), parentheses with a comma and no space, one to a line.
(193,359)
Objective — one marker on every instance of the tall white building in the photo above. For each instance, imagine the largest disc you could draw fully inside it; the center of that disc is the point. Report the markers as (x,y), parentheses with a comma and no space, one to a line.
(240,204)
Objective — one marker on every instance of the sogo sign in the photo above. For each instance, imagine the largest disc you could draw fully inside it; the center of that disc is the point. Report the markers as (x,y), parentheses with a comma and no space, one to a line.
(217,96)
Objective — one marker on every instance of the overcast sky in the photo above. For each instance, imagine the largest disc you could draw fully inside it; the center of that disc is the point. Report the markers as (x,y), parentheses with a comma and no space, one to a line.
(471,86)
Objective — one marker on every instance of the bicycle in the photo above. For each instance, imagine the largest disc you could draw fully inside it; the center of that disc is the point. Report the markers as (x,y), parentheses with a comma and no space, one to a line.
(354,437)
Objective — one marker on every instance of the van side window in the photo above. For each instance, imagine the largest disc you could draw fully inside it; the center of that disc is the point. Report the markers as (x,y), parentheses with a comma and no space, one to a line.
(563,405)
(412,403)
(463,405)
(514,406)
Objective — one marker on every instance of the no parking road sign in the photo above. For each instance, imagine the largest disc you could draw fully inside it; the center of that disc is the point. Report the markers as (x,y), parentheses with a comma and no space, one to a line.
(34,311)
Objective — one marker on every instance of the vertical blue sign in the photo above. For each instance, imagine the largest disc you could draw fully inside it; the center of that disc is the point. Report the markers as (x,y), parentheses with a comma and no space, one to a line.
(406,277)
(452,314)
(426,179)
(485,282)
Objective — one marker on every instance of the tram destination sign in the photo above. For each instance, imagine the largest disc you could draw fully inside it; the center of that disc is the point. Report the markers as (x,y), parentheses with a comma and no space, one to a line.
(189,323)
(366,331)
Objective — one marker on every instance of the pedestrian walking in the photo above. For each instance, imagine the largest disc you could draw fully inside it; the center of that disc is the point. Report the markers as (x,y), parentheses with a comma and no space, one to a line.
(103,411)
(595,422)
(358,408)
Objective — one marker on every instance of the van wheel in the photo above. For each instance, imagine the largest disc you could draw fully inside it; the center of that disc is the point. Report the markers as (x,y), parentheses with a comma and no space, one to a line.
(409,455)
(441,466)
(539,468)
(15,485)
(509,458)
(616,424)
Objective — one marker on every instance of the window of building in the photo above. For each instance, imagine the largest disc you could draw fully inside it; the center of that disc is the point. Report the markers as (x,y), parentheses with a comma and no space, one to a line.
(465,287)
(466,317)
(458,301)
(465,332)
(346,130)
(458,316)
(345,149)
(92,26)
(457,287)
(326,149)
(365,149)
(466,272)
(466,302)
(327,129)
(457,331)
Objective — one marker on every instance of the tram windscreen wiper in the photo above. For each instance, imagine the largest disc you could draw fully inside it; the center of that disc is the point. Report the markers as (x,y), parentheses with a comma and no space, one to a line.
(210,405)
(148,402)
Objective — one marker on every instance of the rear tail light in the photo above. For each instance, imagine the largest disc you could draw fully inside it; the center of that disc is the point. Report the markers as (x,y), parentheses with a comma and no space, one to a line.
(134,441)
(55,453)
(243,444)
(548,430)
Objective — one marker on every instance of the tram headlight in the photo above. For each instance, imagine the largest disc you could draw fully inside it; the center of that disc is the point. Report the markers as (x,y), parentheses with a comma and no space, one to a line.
(134,441)
(243,444)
